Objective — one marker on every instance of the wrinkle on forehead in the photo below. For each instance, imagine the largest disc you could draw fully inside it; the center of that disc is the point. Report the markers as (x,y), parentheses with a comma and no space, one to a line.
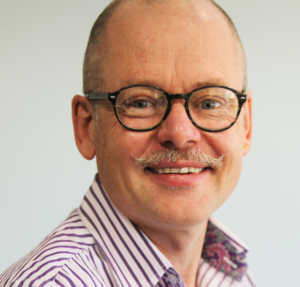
(171,33)
(173,16)
(186,13)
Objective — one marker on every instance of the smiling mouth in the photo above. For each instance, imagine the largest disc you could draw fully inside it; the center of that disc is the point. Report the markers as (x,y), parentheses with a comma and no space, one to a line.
(174,170)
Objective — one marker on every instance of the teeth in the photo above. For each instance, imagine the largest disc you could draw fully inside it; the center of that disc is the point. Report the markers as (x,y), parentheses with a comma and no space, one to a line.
(183,170)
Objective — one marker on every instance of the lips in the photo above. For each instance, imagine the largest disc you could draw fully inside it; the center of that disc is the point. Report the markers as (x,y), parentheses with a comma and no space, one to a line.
(176,170)
(180,168)
(179,175)
(183,171)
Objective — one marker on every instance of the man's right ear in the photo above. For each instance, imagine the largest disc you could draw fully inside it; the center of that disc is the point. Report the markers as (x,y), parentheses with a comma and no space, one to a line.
(83,126)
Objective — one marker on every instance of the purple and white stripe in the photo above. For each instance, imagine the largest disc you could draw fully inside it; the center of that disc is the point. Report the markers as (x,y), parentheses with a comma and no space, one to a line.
(98,246)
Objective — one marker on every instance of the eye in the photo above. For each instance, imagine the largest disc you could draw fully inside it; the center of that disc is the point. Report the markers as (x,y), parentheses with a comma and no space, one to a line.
(138,103)
(210,104)
(137,106)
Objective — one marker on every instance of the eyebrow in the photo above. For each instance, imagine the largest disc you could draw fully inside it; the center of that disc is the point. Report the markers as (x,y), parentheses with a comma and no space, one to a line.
(212,82)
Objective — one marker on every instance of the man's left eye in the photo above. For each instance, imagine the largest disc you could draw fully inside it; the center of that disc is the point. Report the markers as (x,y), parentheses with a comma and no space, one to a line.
(210,104)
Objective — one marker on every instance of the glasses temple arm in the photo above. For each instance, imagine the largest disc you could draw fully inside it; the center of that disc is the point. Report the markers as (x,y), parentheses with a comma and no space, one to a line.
(97,96)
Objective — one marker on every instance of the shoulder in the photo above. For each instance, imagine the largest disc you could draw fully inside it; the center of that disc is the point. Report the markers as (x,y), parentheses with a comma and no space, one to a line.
(65,254)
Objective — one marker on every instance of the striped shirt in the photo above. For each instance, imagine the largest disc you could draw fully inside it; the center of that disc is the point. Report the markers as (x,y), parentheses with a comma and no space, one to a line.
(98,246)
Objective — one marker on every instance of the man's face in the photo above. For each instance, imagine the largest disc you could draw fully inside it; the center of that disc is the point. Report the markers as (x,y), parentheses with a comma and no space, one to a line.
(176,50)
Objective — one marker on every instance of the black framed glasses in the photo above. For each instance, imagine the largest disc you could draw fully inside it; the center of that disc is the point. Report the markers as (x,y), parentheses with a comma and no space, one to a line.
(142,108)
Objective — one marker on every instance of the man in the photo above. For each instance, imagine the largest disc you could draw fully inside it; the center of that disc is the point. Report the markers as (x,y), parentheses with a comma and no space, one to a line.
(167,117)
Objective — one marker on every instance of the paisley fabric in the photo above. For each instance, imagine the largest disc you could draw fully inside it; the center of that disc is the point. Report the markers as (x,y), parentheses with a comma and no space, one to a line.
(223,253)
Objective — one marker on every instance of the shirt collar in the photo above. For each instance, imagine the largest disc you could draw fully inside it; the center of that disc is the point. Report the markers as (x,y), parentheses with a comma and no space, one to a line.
(129,254)
(135,259)
(224,251)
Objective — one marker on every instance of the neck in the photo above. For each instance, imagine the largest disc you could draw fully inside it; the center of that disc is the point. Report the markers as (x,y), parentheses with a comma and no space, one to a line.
(183,248)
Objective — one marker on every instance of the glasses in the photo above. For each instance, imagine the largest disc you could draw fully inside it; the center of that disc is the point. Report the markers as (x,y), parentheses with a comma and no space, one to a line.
(142,108)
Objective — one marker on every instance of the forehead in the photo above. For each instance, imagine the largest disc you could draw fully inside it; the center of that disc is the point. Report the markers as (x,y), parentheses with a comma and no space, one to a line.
(165,43)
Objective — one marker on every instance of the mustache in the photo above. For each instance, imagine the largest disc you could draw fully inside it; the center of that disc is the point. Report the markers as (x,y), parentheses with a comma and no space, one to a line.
(174,155)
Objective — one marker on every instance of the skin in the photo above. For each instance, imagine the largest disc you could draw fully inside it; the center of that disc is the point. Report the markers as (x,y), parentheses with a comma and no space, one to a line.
(177,49)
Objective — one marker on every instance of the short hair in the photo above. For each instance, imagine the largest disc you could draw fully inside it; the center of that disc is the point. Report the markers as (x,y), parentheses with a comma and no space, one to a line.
(92,73)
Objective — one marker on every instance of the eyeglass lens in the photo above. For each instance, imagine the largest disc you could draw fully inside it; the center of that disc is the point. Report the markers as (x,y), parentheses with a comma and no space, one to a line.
(211,108)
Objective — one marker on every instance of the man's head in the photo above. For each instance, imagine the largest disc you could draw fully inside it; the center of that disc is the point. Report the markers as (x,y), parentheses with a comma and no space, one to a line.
(92,72)
(163,178)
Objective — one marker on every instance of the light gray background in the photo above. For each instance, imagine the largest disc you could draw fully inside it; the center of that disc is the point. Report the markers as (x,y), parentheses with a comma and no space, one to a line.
(43,176)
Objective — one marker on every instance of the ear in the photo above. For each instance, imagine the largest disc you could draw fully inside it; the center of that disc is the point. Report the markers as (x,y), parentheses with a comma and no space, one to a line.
(247,123)
(83,125)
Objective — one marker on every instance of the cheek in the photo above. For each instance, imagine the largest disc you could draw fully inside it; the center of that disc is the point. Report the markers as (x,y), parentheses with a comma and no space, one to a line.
(229,144)
(117,146)
(233,161)
(134,144)
(106,139)
(232,140)
(233,152)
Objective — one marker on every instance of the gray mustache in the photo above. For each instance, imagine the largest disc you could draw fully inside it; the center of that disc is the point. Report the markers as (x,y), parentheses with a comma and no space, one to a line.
(174,155)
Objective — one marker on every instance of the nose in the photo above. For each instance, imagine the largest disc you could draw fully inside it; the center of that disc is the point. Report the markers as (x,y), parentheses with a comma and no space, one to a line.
(177,131)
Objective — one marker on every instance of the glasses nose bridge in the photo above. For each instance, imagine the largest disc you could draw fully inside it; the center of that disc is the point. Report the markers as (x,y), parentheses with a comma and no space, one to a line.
(171,97)
(178,96)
